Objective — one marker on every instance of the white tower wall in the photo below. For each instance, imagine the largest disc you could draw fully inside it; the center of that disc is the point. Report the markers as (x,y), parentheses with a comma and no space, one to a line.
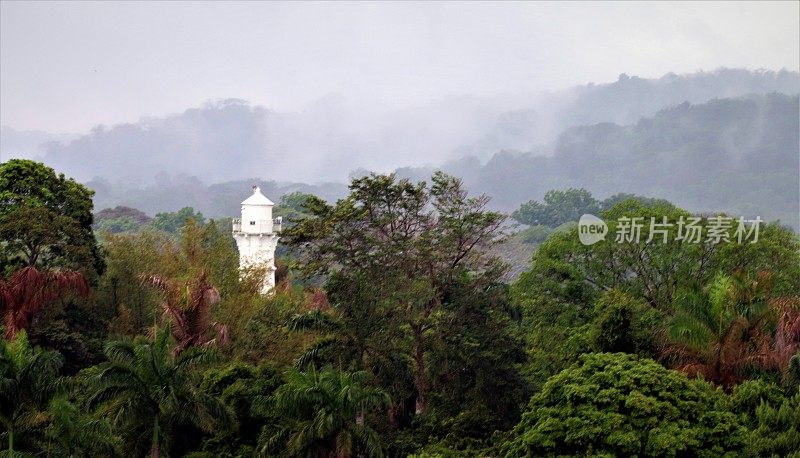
(256,235)
(261,215)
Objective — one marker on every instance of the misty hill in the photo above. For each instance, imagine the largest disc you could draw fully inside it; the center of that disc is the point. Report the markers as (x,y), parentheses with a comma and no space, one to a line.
(28,144)
(622,102)
(231,140)
(739,155)
(171,193)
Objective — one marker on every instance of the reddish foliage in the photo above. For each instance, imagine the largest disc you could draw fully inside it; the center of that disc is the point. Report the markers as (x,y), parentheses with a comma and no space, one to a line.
(187,309)
(742,342)
(787,331)
(29,289)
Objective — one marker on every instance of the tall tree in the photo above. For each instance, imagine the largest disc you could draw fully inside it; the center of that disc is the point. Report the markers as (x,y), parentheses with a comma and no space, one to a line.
(558,208)
(46,219)
(173,222)
(654,270)
(561,293)
(407,241)
(128,256)
(354,332)
(148,392)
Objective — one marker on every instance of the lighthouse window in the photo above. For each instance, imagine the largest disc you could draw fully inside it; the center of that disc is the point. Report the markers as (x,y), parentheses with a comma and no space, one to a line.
(252,223)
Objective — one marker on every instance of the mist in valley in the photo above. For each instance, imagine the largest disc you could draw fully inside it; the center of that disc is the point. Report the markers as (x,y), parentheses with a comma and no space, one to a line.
(507,100)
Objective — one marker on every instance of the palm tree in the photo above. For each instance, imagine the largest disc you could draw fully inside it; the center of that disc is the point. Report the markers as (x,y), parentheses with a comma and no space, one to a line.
(73,432)
(187,309)
(28,289)
(325,413)
(29,378)
(334,339)
(147,390)
(719,333)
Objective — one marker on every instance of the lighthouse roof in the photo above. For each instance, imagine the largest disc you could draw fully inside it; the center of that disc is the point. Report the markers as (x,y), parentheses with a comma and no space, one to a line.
(257,198)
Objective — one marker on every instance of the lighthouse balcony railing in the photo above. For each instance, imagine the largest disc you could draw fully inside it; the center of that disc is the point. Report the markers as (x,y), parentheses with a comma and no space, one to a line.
(258,226)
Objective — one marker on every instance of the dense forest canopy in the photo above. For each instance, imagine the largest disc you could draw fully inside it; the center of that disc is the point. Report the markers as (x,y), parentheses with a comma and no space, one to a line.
(412,317)
(392,330)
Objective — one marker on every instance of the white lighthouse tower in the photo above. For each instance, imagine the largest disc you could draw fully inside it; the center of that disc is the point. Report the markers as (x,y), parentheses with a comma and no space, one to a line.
(256,235)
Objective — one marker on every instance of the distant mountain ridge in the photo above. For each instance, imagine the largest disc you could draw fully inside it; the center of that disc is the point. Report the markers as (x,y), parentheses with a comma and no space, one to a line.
(230,139)
(28,144)
(171,193)
(624,101)
(738,155)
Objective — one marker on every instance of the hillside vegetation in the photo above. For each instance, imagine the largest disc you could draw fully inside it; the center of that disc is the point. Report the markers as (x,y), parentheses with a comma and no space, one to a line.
(392,331)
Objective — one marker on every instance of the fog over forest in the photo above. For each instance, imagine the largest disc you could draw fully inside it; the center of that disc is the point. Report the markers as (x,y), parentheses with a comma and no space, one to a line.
(232,139)
(514,110)
(637,135)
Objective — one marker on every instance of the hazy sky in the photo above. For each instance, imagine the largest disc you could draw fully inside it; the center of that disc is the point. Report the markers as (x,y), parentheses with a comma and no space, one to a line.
(67,66)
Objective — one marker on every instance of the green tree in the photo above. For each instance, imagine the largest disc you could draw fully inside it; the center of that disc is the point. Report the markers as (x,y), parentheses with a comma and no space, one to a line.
(355,332)
(475,367)
(615,404)
(292,206)
(119,219)
(120,211)
(771,415)
(180,261)
(559,207)
(45,220)
(407,241)
(117,225)
(565,268)
(173,222)
(776,432)
(128,256)
(350,332)
(73,432)
(558,294)
(609,202)
(260,333)
(147,392)
(29,379)
(325,415)
(625,324)
(239,385)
